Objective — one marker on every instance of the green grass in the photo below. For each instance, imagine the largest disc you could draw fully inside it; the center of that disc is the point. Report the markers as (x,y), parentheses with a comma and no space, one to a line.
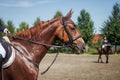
(91,51)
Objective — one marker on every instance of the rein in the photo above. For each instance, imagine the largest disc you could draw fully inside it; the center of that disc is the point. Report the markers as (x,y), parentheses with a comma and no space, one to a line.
(38,43)
(51,63)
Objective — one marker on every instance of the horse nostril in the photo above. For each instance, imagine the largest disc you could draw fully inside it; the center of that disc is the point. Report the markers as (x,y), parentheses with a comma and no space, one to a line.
(84,48)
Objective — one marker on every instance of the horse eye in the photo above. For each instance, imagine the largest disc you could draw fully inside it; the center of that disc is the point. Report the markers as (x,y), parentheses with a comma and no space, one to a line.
(72,28)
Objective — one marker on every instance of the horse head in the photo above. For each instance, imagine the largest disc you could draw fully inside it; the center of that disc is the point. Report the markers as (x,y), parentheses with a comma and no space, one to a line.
(69,34)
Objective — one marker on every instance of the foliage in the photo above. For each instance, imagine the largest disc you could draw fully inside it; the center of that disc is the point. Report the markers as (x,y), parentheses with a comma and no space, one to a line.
(111,27)
(58,14)
(86,26)
(23,26)
(92,51)
(3,24)
(37,21)
(60,50)
(11,27)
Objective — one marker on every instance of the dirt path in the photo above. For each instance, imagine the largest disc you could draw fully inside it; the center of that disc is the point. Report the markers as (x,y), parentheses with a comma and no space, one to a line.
(80,67)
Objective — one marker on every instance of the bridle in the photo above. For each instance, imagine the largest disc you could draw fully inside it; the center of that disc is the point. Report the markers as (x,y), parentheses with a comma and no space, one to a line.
(71,40)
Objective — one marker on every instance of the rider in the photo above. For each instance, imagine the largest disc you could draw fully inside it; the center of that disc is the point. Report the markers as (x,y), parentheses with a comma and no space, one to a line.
(105,42)
(2,50)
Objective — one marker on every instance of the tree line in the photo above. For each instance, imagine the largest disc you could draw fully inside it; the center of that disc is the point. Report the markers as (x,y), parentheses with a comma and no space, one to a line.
(110,27)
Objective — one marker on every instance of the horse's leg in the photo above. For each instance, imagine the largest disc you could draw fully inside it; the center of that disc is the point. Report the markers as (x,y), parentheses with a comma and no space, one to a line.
(107,57)
(102,52)
(99,57)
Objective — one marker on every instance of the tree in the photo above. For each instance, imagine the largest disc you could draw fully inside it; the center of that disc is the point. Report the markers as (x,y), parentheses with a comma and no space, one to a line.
(23,26)
(58,14)
(11,27)
(3,24)
(86,26)
(37,21)
(111,27)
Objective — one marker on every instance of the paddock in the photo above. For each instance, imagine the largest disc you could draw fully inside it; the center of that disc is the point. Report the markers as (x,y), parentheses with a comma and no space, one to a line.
(80,67)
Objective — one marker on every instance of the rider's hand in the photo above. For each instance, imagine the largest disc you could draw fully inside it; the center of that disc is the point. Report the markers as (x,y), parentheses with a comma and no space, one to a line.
(6,31)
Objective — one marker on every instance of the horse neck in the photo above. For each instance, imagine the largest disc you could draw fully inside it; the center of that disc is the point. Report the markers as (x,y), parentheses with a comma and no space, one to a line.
(44,34)
(47,36)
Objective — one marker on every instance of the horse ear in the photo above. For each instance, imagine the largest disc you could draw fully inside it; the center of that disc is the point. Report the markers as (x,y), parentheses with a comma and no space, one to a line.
(69,14)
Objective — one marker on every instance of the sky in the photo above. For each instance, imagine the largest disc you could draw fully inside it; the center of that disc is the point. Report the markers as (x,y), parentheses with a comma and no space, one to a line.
(28,10)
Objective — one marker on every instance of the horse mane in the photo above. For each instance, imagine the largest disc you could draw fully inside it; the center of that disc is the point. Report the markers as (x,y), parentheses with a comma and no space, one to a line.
(33,33)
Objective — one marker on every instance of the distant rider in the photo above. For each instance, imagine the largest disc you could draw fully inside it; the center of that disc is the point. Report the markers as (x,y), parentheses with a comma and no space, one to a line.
(105,42)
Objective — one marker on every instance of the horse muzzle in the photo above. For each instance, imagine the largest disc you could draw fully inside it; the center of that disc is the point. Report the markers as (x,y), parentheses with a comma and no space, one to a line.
(78,48)
(81,48)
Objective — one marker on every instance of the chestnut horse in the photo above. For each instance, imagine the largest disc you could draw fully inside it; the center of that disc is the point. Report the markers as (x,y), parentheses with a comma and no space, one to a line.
(106,50)
(28,55)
